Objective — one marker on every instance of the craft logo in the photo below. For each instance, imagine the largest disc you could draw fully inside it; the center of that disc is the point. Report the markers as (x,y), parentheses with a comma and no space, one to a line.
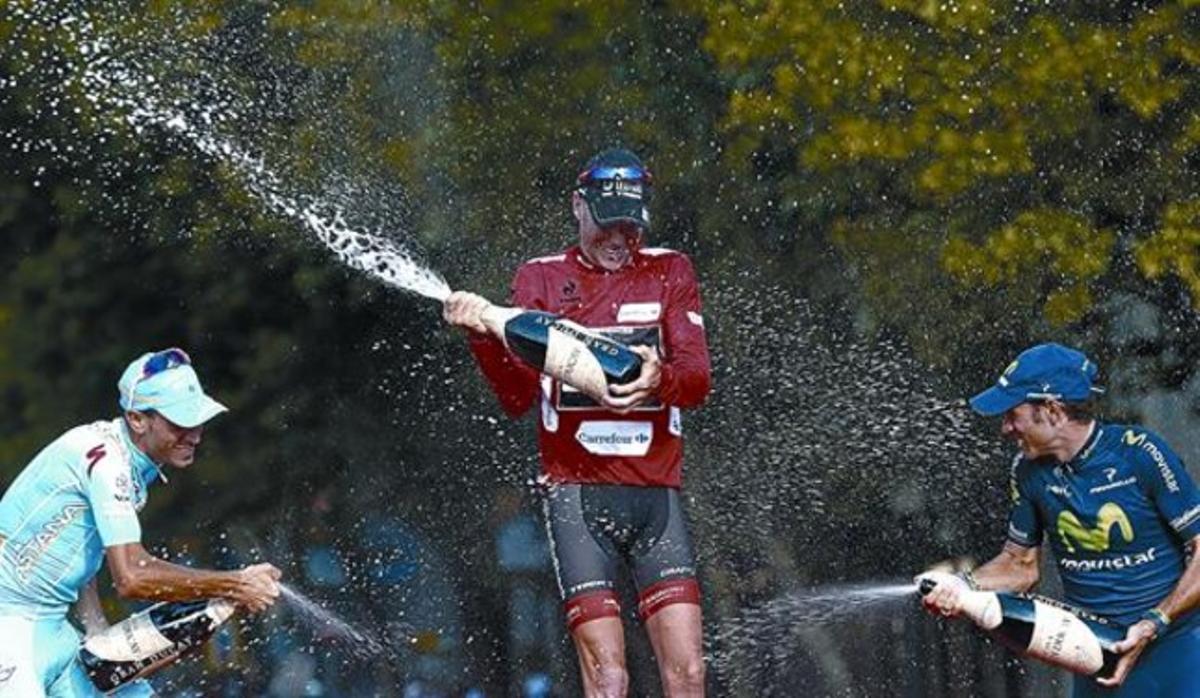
(1097,538)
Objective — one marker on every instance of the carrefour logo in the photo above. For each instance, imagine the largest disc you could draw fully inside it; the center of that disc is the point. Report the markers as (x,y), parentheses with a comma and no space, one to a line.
(1098,538)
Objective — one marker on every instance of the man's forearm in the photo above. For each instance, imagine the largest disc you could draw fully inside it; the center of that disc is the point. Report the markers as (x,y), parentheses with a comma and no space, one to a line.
(1014,569)
(1185,597)
(152,579)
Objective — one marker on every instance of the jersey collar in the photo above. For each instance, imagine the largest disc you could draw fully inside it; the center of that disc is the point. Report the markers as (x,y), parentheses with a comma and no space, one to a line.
(142,464)
(1089,445)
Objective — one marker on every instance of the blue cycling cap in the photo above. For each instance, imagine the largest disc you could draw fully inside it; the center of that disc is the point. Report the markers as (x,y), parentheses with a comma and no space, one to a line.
(165,382)
(1043,372)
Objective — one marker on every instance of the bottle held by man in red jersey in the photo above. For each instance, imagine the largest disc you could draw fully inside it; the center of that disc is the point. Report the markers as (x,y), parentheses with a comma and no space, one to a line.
(613,465)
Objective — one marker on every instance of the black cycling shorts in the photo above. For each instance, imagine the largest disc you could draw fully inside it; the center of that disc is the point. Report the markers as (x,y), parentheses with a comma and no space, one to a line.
(593,528)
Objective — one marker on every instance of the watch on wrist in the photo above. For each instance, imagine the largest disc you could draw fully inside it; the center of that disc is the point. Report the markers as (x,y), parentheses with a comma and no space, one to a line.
(1159,619)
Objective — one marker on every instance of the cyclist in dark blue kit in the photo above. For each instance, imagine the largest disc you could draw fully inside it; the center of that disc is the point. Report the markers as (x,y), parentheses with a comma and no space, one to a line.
(1121,514)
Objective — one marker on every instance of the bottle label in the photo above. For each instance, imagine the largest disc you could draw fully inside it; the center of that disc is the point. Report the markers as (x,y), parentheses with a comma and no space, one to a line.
(571,361)
(1062,639)
(132,639)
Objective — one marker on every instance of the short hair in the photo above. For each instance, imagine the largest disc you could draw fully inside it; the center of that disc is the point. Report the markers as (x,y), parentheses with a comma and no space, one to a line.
(1082,411)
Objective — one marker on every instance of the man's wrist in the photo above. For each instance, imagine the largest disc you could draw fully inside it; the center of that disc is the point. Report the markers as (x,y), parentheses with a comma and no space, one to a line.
(969,577)
(1159,619)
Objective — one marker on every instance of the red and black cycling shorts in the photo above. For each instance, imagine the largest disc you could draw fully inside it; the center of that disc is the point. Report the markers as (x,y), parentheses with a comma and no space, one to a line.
(593,528)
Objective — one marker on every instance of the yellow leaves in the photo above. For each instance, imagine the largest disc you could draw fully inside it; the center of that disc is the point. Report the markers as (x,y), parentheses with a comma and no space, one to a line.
(1041,248)
(1175,248)
(972,16)
(998,83)
(330,30)
(858,138)
(962,159)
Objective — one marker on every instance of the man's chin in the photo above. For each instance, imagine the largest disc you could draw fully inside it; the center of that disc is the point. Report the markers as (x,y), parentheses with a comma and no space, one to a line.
(613,263)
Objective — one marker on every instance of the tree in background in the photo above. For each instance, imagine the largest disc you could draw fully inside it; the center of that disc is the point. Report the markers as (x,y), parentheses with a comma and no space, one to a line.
(993,170)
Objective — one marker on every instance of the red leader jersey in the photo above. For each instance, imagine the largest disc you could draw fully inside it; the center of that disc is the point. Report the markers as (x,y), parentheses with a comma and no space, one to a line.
(653,300)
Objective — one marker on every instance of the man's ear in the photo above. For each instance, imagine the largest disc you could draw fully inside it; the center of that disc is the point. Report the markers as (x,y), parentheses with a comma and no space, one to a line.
(1058,413)
(577,203)
(139,422)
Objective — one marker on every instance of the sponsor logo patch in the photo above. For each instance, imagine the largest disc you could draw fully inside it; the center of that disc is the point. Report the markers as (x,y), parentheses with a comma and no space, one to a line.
(1107,564)
(607,438)
(1113,485)
(32,551)
(639,312)
(1097,538)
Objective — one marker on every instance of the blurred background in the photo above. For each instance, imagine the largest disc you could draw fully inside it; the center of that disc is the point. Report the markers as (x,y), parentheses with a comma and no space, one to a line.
(885,202)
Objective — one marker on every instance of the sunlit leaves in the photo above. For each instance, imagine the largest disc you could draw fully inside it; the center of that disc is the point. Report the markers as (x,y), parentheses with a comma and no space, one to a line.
(1175,249)
(1041,249)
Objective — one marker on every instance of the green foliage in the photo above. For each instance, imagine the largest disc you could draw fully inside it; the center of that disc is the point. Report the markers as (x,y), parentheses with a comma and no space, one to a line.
(1043,142)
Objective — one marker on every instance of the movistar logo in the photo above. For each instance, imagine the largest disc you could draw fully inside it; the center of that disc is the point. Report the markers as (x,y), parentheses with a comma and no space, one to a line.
(1156,454)
(1099,537)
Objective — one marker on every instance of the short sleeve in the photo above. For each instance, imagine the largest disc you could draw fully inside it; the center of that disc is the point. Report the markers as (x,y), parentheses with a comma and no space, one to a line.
(1024,526)
(1170,486)
(110,492)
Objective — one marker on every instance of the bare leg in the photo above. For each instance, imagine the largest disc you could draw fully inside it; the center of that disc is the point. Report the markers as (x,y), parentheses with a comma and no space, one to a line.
(678,642)
(600,644)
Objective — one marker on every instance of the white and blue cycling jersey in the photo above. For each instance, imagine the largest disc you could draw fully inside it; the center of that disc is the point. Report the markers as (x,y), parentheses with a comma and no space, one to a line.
(79,495)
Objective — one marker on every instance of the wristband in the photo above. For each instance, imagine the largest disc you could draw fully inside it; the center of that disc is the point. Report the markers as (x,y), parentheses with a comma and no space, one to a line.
(1159,619)
(969,577)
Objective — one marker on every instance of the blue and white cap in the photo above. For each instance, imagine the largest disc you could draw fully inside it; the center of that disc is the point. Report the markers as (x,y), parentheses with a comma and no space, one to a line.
(1043,372)
(165,382)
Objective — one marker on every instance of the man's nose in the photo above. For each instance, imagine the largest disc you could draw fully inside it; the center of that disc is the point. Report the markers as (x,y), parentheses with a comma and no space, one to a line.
(192,436)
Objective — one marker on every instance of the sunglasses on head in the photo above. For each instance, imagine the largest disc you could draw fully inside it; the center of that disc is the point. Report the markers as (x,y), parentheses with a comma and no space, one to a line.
(158,362)
(593,175)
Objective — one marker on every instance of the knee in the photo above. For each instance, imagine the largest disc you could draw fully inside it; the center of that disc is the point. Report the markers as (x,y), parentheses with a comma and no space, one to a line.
(609,679)
(685,677)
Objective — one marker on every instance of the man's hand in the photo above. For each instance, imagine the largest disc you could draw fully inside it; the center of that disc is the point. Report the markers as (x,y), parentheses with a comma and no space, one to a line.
(1136,639)
(945,598)
(258,587)
(464,309)
(624,398)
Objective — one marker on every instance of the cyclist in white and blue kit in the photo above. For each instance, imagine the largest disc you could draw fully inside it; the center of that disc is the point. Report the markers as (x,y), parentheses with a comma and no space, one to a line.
(75,506)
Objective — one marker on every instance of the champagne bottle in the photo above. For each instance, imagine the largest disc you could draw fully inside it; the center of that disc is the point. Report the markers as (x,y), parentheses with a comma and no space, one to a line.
(147,641)
(563,349)
(1044,629)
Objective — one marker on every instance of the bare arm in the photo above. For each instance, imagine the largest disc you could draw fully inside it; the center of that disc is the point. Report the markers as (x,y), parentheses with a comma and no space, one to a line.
(1183,599)
(139,575)
(1016,568)
(89,611)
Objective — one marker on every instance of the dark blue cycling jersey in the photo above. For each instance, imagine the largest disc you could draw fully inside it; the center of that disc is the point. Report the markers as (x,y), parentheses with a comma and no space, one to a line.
(1117,516)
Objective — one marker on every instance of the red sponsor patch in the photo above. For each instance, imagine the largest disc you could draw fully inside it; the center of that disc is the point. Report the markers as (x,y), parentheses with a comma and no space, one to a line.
(94,456)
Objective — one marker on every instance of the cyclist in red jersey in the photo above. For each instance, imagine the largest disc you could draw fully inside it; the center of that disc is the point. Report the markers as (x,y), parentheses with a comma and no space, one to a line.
(613,468)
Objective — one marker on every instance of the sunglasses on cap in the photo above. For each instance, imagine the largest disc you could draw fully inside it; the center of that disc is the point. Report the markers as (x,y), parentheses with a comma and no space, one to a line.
(158,362)
(590,177)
